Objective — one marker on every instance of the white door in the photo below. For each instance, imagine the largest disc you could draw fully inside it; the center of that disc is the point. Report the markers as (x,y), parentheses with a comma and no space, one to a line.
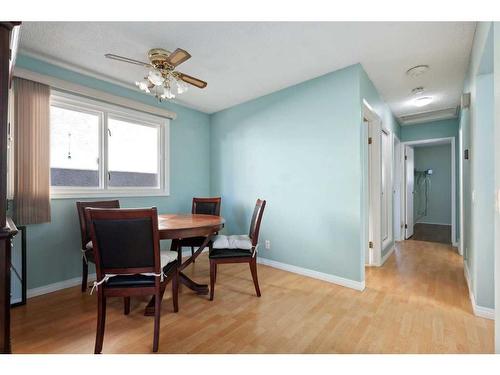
(397,189)
(409,177)
(369,250)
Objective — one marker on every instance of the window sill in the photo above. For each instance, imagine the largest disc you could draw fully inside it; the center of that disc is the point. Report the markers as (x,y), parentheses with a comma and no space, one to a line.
(107,194)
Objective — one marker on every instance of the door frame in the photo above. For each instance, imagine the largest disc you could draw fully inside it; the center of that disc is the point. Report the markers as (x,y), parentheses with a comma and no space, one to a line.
(429,142)
(397,184)
(407,193)
(373,255)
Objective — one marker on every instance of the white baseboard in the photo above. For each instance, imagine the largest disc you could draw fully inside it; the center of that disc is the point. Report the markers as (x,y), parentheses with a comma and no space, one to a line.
(57,286)
(74,282)
(481,311)
(428,222)
(387,255)
(357,285)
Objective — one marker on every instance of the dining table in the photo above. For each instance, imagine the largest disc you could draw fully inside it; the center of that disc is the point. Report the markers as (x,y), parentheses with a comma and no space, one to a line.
(176,227)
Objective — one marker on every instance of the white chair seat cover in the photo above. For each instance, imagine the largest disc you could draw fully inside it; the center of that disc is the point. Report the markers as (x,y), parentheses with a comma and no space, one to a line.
(167,256)
(235,241)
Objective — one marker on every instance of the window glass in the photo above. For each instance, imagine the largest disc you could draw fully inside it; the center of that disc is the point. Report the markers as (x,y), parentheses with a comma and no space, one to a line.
(132,154)
(74,153)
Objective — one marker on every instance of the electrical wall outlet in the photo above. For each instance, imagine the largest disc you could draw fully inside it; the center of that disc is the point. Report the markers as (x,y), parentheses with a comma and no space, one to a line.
(268,244)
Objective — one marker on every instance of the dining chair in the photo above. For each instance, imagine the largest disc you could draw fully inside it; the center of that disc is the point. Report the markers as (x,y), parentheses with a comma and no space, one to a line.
(129,262)
(238,249)
(87,251)
(204,206)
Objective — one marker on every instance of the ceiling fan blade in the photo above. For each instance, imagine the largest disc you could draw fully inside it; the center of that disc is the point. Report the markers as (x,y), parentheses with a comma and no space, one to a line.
(178,57)
(193,81)
(127,60)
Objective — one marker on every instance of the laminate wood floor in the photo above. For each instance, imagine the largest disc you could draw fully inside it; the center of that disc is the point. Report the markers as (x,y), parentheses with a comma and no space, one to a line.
(432,233)
(416,303)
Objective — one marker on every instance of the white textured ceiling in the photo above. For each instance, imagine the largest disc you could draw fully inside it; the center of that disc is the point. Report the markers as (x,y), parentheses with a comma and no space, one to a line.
(242,61)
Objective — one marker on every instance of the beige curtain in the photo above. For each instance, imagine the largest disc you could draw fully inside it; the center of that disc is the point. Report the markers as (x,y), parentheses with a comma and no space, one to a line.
(32,152)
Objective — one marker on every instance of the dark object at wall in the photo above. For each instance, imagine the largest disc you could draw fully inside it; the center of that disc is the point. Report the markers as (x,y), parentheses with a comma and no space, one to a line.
(89,178)
(21,275)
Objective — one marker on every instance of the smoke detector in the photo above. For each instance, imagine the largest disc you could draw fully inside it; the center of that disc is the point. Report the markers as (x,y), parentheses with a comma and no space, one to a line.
(417,71)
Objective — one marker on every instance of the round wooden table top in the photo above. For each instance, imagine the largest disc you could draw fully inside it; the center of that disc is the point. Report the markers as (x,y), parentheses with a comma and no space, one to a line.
(188,225)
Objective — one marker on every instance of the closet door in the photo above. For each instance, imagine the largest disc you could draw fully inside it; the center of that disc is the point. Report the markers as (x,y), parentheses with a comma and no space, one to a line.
(409,176)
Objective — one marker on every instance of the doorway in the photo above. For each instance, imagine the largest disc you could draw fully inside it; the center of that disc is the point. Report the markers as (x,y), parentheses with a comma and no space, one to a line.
(380,187)
(429,184)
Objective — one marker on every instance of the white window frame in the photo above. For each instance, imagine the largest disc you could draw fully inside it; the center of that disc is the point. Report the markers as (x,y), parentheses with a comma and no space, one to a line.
(105,110)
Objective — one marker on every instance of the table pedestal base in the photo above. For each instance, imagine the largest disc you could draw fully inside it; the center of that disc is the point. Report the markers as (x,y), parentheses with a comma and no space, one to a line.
(200,289)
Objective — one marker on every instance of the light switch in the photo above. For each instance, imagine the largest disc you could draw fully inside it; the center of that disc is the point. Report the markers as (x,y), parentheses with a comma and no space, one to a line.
(498,201)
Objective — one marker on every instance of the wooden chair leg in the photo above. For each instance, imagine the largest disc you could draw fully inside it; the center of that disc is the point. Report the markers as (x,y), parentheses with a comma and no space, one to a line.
(101,322)
(85,275)
(253,270)
(213,266)
(175,291)
(156,337)
(126,305)
(192,253)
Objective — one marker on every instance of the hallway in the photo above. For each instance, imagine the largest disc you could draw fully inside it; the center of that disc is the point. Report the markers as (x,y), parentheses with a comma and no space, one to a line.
(426,297)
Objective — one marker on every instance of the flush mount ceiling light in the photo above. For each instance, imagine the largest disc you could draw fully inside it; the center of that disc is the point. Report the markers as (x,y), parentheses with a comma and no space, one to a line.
(417,90)
(422,101)
(417,71)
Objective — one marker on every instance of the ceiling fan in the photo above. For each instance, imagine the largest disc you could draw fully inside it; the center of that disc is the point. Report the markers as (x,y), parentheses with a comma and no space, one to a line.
(163,81)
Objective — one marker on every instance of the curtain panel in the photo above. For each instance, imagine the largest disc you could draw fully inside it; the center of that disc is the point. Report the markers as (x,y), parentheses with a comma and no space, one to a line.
(32,152)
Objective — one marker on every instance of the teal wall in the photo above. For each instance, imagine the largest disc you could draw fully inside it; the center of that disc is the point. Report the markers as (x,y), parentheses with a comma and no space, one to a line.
(483,186)
(437,158)
(369,93)
(303,149)
(430,130)
(299,148)
(477,130)
(53,250)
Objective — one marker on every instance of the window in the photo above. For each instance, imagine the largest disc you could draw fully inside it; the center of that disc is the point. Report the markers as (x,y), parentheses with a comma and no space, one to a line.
(98,149)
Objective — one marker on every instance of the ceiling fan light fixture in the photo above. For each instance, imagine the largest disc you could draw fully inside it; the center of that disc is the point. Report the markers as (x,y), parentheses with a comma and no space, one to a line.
(182,87)
(162,80)
(143,86)
(156,78)
(167,93)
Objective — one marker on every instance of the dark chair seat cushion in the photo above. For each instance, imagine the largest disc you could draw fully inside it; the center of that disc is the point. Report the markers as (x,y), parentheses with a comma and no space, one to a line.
(192,242)
(229,253)
(137,281)
(130,281)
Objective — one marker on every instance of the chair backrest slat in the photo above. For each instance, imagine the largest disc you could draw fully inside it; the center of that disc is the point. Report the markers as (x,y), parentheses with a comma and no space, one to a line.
(125,240)
(206,206)
(256,220)
(84,225)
